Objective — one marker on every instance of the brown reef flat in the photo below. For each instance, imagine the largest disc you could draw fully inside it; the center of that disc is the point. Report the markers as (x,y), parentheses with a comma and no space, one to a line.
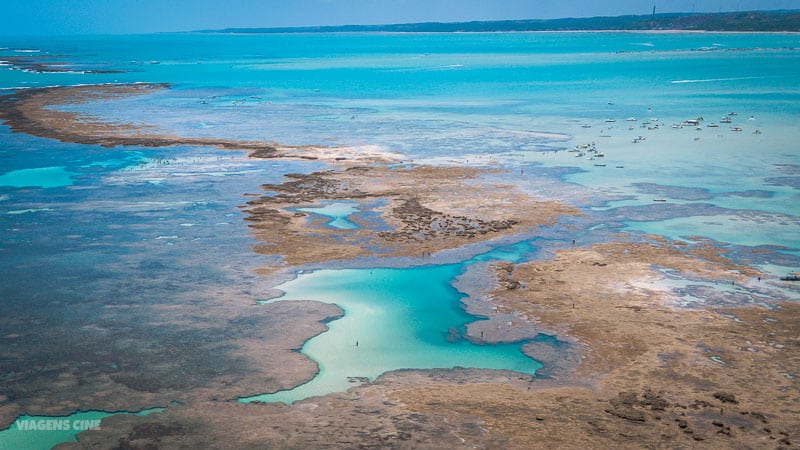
(35,112)
(420,210)
(655,376)
(643,373)
(174,352)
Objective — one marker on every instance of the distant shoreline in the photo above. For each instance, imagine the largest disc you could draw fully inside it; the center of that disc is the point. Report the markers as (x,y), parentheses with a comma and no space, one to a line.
(231,33)
(779,21)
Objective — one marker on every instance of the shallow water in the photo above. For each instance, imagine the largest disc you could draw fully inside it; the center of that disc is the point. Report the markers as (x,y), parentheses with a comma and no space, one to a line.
(506,99)
(43,177)
(51,431)
(77,219)
(338,212)
(393,319)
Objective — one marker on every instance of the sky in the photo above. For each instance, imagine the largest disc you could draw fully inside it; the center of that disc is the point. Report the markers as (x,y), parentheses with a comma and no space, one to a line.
(58,17)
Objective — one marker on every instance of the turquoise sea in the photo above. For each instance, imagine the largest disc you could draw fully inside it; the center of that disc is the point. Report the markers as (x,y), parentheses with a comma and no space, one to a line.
(84,228)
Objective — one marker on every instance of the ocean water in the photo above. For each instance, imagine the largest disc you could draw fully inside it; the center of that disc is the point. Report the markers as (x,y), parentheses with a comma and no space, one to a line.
(77,219)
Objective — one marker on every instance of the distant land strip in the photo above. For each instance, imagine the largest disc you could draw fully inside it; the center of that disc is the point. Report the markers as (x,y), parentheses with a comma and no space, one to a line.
(752,21)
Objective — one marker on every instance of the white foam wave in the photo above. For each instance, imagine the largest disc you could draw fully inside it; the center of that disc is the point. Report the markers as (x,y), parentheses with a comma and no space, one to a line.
(712,80)
(26,211)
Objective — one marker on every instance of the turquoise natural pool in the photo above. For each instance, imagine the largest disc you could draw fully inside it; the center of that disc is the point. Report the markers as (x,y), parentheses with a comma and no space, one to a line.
(17,437)
(44,177)
(338,212)
(393,319)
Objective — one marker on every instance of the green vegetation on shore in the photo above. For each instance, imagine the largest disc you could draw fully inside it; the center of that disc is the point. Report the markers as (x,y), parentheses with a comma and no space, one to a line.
(764,21)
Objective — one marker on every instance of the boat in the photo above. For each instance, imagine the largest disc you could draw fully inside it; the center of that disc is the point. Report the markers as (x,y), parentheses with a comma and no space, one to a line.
(600,164)
(794,276)
(736,129)
(631,119)
(659,200)
(611,120)
(725,120)
(600,155)
(712,125)
(586,126)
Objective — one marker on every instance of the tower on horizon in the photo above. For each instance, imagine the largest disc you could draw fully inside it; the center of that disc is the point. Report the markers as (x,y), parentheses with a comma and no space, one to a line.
(653,18)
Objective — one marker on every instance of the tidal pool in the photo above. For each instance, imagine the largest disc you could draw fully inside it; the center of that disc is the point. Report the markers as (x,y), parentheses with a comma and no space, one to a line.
(408,318)
(44,432)
(338,212)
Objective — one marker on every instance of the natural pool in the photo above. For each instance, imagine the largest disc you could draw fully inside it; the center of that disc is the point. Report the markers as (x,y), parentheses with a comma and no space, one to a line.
(337,212)
(44,432)
(409,318)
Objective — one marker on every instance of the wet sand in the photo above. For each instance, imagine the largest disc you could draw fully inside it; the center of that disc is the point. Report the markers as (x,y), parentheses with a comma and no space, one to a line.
(35,112)
(641,371)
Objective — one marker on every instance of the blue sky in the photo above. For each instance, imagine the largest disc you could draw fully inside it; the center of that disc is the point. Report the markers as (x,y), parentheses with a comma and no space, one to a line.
(49,17)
